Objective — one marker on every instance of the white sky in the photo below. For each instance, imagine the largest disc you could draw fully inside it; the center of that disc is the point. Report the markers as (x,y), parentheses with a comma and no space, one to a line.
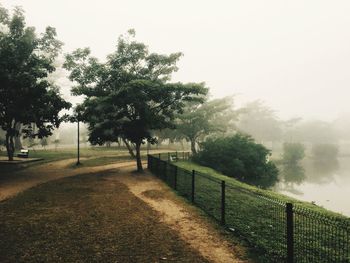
(294,55)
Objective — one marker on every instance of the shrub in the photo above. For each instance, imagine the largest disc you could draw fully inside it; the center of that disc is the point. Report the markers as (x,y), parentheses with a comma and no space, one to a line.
(240,157)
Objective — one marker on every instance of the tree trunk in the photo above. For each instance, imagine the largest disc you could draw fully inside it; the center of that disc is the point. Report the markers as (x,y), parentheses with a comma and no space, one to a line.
(18,143)
(10,147)
(138,158)
(129,148)
(193,146)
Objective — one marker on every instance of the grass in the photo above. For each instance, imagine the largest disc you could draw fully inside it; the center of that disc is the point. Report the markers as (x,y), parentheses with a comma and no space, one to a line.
(86,219)
(258,216)
(104,160)
(97,156)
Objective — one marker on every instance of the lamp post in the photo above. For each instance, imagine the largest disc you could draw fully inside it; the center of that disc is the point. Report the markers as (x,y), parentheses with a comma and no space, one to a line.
(78,148)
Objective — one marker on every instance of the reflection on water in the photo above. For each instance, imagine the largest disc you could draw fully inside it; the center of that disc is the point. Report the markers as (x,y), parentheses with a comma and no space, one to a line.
(322,171)
(292,174)
(325,182)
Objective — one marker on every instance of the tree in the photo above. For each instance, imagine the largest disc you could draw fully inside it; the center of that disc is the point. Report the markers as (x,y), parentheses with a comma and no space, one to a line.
(44,142)
(314,132)
(260,121)
(240,157)
(293,153)
(2,139)
(292,171)
(56,142)
(199,120)
(131,94)
(27,98)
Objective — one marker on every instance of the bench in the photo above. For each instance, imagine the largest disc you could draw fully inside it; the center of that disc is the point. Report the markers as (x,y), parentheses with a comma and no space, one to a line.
(173,158)
(23,154)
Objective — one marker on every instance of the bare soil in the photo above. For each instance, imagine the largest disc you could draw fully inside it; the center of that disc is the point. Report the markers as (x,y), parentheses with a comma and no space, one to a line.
(181,217)
(86,219)
(203,241)
(15,182)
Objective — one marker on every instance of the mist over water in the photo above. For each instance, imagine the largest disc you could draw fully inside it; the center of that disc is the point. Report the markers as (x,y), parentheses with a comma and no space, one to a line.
(324,183)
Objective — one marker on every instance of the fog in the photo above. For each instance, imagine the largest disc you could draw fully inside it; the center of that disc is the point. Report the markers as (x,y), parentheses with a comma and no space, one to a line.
(294,55)
(287,64)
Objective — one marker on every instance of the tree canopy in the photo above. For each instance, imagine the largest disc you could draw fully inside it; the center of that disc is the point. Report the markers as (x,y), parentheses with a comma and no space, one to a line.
(260,121)
(130,94)
(200,120)
(26,95)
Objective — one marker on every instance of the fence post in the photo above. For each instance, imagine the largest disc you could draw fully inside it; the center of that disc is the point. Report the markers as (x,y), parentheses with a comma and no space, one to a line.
(148,162)
(164,172)
(176,157)
(175,178)
(290,238)
(192,192)
(183,155)
(168,156)
(159,156)
(223,208)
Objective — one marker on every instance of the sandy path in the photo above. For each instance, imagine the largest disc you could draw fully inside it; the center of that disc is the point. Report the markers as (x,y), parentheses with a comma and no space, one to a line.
(39,174)
(180,217)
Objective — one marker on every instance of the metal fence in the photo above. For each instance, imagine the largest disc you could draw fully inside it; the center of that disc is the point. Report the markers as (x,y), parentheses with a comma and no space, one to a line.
(278,231)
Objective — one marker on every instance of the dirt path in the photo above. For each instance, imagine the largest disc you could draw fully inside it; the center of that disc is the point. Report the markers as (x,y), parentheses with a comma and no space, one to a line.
(39,174)
(180,217)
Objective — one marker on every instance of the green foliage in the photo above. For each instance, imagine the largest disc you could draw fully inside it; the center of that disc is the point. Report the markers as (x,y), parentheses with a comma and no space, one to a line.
(325,151)
(200,120)
(240,157)
(293,153)
(130,95)
(26,96)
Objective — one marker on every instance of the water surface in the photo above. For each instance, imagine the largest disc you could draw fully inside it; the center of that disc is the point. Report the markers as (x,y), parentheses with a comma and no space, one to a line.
(323,182)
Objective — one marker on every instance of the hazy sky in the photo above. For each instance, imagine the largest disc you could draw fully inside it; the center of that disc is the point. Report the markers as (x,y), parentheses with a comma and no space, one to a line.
(294,55)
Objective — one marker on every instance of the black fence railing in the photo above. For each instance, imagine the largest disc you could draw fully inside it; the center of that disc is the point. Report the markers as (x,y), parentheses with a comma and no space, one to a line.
(278,231)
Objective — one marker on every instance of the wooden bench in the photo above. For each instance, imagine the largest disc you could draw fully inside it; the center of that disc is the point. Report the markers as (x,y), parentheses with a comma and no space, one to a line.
(173,158)
(23,154)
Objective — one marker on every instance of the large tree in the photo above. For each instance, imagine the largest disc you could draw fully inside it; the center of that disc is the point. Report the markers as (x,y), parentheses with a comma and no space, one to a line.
(27,98)
(130,94)
(200,120)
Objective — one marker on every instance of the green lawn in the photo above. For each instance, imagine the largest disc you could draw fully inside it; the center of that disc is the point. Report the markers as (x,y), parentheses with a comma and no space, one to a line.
(104,160)
(258,216)
(97,156)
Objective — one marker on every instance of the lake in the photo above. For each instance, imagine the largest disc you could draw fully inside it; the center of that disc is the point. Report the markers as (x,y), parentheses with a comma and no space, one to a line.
(326,183)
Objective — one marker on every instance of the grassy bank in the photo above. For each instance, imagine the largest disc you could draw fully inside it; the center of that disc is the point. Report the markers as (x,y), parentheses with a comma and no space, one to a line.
(258,216)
